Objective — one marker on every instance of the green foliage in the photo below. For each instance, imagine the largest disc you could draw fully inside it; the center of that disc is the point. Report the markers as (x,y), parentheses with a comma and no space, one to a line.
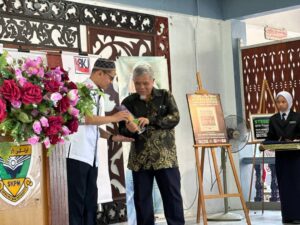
(5,149)
(86,102)
(3,62)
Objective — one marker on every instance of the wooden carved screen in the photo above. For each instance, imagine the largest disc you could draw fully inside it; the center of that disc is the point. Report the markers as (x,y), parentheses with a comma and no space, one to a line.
(279,64)
(111,43)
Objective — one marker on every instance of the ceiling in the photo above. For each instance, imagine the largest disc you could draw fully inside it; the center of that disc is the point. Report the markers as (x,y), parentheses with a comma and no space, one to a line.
(289,20)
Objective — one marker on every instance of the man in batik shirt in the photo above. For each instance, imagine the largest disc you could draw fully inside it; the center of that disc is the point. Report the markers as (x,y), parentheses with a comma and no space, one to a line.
(153,154)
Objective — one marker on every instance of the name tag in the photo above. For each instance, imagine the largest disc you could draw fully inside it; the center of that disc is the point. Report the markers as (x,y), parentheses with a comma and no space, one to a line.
(292,122)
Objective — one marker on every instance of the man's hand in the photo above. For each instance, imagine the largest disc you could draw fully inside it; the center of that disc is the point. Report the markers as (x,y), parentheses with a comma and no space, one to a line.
(132,127)
(143,121)
(120,116)
(121,138)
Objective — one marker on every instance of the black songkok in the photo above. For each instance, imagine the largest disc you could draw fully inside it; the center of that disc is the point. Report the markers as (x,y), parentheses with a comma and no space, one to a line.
(104,64)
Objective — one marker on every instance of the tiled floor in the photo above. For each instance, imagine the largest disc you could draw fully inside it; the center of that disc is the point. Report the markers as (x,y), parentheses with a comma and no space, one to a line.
(257,218)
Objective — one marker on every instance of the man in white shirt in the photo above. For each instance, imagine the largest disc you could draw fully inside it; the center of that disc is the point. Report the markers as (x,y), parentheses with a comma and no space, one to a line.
(82,156)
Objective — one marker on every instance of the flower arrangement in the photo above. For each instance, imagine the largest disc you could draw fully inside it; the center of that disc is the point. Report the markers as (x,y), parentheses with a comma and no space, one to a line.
(38,104)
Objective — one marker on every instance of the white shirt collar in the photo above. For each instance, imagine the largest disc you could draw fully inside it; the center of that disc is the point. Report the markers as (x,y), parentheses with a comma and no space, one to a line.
(286,113)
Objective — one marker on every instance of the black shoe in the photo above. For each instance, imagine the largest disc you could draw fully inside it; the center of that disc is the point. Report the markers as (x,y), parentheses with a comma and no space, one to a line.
(290,221)
(287,221)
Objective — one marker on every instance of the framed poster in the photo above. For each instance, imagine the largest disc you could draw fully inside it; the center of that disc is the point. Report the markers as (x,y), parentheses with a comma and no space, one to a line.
(259,126)
(207,119)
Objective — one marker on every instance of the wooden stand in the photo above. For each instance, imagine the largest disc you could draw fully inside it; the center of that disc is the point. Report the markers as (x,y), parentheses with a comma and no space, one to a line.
(261,110)
(200,169)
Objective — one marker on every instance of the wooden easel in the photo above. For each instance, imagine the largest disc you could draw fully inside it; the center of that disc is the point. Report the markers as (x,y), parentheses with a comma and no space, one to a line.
(200,168)
(261,110)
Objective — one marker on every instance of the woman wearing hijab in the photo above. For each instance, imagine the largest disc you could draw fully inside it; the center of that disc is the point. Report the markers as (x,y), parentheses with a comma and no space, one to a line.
(285,126)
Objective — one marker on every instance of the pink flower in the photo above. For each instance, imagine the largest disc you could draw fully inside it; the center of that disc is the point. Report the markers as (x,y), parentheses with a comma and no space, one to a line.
(44,122)
(33,140)
(47,142)
(34,67)
(22,81)
(16,104)
(41,72)
(73,111)
(37,128)
(73,96)
(65,130)
(18,72)
(55,74)
(55,97)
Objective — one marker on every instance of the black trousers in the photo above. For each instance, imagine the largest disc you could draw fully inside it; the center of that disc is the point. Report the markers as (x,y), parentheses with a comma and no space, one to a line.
(168,181)
(287,165)
(82,192)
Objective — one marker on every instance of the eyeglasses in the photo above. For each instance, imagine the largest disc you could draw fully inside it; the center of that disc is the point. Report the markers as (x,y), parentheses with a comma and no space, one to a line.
(109,76)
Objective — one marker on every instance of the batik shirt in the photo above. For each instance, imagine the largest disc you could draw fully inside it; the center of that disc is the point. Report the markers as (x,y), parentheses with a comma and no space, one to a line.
(155,148)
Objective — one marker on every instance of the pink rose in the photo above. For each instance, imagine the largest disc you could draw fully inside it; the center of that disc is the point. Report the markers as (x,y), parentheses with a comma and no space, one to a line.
(65,131)
(44,122)
(55,97)
(22,81)
(33,140)
(73,96)
(73,111)
(37,128)
(47,142)
(16,104)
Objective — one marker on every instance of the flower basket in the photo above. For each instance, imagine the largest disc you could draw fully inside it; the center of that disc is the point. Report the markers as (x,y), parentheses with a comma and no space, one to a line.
(39,104)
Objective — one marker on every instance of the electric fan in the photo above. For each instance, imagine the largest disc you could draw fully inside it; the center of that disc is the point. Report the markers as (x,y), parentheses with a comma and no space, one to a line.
(237,132)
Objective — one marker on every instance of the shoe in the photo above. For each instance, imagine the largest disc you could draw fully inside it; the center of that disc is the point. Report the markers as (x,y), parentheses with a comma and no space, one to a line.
(287,221)
(290,221)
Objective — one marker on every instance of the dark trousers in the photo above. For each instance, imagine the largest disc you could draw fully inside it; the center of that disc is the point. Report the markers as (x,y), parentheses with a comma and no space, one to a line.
(168,181)
(287,165)
(82,192)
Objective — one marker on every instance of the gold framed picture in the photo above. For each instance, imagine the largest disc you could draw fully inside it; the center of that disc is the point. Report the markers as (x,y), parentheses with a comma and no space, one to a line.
(207,119)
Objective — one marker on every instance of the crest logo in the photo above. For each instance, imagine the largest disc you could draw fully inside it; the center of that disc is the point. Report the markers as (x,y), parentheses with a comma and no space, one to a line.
(14,179)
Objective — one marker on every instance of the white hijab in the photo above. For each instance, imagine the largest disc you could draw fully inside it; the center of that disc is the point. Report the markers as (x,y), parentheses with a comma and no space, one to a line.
(288,97)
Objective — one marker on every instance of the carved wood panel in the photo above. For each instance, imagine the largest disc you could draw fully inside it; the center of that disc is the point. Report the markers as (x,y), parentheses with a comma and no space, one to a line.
(279,64)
